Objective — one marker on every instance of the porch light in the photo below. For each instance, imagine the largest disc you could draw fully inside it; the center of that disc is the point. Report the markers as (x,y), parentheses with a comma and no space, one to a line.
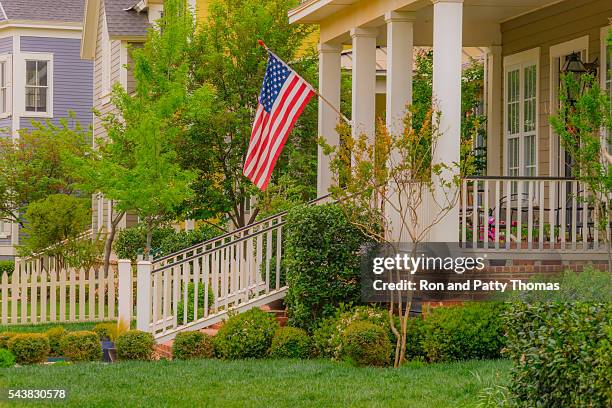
(573,65)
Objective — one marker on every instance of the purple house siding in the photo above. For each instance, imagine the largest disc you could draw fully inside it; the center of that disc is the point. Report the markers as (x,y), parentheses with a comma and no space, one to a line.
(6,45)
(72,78)
(5,127)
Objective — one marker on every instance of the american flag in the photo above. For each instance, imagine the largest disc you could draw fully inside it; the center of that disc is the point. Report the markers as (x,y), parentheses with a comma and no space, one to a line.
(284,95)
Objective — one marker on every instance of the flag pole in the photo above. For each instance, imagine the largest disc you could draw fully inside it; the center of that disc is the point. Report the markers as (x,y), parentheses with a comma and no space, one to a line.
(316,92)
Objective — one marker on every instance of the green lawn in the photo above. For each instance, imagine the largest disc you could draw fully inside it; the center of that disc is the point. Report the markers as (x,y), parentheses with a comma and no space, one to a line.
(261,383)
(39,328)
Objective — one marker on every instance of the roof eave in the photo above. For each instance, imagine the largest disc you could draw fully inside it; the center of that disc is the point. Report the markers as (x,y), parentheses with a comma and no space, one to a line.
(302,14)
(90,29)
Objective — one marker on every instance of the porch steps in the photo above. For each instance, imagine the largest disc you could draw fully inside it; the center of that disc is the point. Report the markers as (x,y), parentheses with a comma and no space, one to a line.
(164,350)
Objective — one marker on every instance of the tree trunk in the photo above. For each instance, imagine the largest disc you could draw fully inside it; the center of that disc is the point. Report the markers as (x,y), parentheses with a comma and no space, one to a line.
(147,254)
(108,245)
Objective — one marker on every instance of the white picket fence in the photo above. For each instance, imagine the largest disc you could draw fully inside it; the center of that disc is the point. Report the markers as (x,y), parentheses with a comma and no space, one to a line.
(41,290)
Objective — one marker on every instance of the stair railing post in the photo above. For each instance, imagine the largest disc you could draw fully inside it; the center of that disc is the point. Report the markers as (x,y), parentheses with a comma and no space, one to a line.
(143,296)
(125,292)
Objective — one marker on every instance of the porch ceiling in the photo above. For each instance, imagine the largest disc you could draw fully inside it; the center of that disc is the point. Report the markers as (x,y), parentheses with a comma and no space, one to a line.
(481,17)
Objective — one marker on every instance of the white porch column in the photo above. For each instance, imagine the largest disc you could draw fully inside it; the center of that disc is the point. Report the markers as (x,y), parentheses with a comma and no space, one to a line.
(329,87)
(447,43)
(363,106)
(399,68)
(494,111)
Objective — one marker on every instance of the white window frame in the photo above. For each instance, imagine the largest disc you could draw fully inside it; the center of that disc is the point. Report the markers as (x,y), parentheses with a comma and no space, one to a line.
(556,51)
(106,47)
(511,62)
(7,60)
(21,88)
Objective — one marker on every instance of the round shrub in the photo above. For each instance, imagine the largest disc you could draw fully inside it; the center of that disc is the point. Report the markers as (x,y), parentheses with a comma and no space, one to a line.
(247,335)
(192,345)
(7,359)
(81,346)
(471,331)
(365,344)
(104,330)
(55,336)
(322,263)
(29,348)
(7,266)
(290,342)
(4,339)
(135,345)
(327,337)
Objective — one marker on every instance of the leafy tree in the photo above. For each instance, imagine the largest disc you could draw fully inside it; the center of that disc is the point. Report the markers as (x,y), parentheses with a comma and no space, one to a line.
(225,54)
(136,165)
(33,166)
(54,225)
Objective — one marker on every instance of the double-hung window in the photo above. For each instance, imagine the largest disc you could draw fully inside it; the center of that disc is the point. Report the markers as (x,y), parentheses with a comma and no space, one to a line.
(521,113)
(5,84)
(37,86)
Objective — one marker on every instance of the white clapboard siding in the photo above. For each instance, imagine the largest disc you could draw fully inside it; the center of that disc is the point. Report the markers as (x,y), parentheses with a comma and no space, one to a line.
(42,291)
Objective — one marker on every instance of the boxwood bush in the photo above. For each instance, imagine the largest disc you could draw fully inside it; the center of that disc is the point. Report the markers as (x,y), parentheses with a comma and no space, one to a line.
(290,342)
(471,331)
(327,338)
(192,345)
(104,330)
(247,335)
(7,359)
(321,261)
(366,344)
(4,339)
(7,266)
(135,345)
(81,346)
(561,353)
(55,336)
(29,348)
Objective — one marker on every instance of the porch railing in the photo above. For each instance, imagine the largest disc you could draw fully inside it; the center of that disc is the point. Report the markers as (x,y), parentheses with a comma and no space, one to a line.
(529,213)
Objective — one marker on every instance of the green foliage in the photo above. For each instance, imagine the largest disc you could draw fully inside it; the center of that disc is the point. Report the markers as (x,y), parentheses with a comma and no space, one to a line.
(131,242)
(33,166)
(327,337)
(103,330)
(180,310)
(366,344)
(246,335)
(29,348)
(7,266)
(579,124)
(192,345)
(53,225)
(7,359)
(55,336)
(81,346)
(472,331)
(225,55)
(561,353)
(290,342)
(4,339)
(135,345)
(322,263)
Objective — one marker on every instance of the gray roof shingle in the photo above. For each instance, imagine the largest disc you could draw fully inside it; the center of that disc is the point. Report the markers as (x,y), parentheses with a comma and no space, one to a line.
(44,10)
(122,23)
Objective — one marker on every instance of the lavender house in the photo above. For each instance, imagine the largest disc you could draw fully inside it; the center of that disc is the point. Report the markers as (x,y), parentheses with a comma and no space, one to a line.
(42,76)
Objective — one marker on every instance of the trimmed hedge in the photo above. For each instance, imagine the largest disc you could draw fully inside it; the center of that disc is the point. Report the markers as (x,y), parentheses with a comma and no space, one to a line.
(247,335)
(55,336)
(29,348)
(192,345)
(327,338)
(82,346)
(7,359)
(471,331)
(7,266)
(322,263)
(4,339)
(290,342)
(135,345)
(561,353)
(366,344)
